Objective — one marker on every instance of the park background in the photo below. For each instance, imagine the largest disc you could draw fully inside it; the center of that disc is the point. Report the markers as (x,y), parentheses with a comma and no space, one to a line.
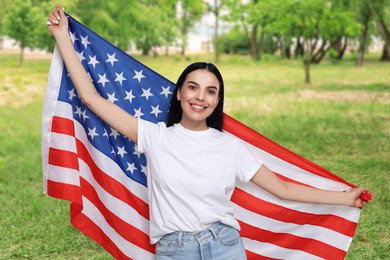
(314,76)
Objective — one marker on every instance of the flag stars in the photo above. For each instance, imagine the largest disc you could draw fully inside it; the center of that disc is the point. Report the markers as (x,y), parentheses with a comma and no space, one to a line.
(71,94)
(84,41)
(138,113)
(111,97)
(84,114)
(105,133)
(111,58)
(144,168)
(138,75)
(120,78)
(136,152)
(73,37)
(93,61)
(103,79)
(92,133)
(131,167)
(165,91)
(121,151)
(156,110)
(80,55)
(78,111)
(146,93)
(129,95)
(114,133)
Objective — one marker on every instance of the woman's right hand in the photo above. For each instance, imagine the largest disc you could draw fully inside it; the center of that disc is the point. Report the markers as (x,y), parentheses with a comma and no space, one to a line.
(57,22)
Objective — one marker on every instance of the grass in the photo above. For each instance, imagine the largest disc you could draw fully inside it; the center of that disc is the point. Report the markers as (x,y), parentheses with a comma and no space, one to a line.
(341,121)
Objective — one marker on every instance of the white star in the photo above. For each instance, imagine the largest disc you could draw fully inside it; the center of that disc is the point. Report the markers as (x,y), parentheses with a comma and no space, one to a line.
(138,75)
(111,97)
(156,110)
(80,55)
(136,152)
(105,133)
(92,132)
(120,78)
(114,133)
(144,168)
(121,151)
(73,37)
(78,111)
(131,167)
(93,61)
(72,94)
(165,91)
(84,41)
(102,79)
(138,113)
(111,59)
(146,93)
(84,114)
(129,95)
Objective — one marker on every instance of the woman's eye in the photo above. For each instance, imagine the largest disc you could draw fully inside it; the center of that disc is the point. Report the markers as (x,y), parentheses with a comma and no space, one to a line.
(192,87)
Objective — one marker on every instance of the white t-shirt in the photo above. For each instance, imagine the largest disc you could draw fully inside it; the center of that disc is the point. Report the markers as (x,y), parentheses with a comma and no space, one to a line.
(191,176)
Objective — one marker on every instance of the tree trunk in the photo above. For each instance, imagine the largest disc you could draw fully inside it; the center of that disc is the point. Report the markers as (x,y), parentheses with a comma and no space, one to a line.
(362,44)
(216,13)
(385,55)
(298,49)
(253,41)
(261,44)
(307,44)
(343,48)
(320,54)
(21,59)
(381,26)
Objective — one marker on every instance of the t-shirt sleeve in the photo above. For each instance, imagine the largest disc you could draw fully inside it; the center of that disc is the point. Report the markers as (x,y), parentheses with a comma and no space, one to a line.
(148,133)
(248,164)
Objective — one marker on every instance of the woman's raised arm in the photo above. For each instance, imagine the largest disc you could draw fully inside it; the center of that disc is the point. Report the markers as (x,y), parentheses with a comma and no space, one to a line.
(112,114)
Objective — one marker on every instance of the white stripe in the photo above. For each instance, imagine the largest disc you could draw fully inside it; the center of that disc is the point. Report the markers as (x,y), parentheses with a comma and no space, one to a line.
(63,142)
(271,250)
(52,89)
(63,175)
(349,213)
(319,233)
(125,246)
(115,205)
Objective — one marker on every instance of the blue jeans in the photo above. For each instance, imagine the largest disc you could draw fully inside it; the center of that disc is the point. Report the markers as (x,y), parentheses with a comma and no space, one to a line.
(217,242)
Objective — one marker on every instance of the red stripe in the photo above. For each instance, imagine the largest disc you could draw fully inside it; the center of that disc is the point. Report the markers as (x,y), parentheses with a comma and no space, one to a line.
(291,180)
(63,158)
(284,240)
(277,212)
(249,135)
(62,125)
(63,191)
(89,228)
(112,186)
(123,228)
(253,256)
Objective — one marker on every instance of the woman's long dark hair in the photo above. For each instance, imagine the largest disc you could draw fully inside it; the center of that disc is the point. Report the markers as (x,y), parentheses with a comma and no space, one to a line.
(215,120)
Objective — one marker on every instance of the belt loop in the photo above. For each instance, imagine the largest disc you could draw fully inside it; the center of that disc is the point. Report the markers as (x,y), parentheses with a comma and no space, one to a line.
(214,232)
(179,235)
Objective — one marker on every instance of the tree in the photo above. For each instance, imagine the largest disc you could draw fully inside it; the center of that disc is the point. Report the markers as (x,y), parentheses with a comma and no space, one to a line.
(190,11)
(364,17)
(20,24)
(377,9)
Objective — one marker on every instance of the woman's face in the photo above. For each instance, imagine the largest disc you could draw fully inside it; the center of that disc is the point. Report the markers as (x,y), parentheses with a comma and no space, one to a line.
(198,97)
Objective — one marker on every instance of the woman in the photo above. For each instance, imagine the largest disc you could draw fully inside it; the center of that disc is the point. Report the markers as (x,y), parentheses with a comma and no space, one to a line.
(192,164)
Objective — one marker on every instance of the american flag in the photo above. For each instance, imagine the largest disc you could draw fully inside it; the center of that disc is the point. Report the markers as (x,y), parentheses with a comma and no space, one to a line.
(101,173)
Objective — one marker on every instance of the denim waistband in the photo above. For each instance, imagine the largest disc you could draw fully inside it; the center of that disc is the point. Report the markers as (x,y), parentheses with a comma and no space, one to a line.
(210,232)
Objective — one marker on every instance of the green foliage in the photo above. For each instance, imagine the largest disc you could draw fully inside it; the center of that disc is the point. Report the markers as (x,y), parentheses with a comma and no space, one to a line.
(234,42)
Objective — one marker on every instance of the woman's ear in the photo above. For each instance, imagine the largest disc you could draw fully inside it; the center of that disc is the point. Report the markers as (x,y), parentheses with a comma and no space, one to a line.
(178,94)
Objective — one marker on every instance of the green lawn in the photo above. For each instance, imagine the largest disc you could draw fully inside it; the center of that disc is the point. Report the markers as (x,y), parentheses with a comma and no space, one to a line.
(341,121)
